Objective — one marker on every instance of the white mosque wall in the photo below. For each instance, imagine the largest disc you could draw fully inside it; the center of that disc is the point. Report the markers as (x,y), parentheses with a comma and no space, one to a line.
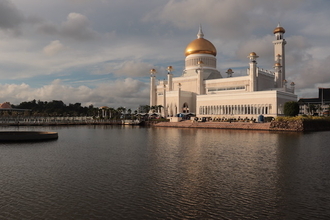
(172,103)
(175,100)
(224,84)
(246,104)
(187,83)
(190,99)
(265,81)
(209,61)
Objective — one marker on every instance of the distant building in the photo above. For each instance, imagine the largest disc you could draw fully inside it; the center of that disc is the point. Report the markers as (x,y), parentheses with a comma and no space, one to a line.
(318,106)
(5,106)
(201,89)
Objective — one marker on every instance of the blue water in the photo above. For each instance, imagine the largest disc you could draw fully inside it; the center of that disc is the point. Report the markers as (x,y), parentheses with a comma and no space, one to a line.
(123,172)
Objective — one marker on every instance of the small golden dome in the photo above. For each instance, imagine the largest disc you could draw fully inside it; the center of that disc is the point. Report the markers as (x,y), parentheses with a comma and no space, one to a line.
(253,54)
(152,71)
(279,29)
(200,46)
(277,64)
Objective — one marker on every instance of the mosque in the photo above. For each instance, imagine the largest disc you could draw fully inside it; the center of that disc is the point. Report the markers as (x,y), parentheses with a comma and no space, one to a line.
(202,90)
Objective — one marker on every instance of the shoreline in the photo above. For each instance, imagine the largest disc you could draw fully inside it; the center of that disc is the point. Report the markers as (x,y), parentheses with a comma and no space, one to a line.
(216,125)
(287,125)
(295,125)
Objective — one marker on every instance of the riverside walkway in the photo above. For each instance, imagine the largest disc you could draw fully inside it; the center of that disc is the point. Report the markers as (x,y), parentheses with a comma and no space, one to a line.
(53,121)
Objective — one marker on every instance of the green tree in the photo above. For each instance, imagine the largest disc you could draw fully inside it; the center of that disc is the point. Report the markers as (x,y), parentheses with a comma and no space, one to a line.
(146,108)
(153,108)
(291,108)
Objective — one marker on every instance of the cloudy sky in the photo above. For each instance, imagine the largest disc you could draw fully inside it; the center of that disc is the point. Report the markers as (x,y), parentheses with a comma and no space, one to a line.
(100,51)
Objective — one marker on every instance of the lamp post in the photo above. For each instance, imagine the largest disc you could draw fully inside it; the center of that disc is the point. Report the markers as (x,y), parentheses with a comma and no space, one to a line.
(322,101)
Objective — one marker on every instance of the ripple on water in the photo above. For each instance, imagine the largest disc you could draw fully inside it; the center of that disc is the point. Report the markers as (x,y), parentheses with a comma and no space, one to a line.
(128,173)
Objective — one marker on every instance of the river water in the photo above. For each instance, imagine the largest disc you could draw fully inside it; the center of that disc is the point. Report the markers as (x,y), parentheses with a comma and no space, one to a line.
(124,172)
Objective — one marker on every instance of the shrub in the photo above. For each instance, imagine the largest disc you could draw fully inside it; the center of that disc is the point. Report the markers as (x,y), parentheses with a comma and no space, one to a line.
(291,108)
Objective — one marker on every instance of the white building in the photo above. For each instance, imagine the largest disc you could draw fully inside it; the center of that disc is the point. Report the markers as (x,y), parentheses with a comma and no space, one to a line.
(202,89)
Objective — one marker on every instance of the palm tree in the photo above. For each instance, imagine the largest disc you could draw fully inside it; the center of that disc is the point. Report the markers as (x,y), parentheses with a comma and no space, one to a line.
(146,108)
(112,112)
(129,111)
(153,108)
(121,110)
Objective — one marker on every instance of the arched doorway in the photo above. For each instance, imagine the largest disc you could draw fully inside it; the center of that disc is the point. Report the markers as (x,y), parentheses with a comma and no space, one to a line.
(185,108)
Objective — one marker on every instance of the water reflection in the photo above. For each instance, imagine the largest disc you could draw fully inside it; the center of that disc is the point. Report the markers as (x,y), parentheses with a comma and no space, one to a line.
(102,172)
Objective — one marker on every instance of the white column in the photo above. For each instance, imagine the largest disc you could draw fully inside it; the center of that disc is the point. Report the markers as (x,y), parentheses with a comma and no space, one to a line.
(153,94)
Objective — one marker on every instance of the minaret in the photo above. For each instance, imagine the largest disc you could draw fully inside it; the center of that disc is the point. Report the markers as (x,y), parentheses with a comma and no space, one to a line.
(253,71)
(278,82)
(164,103)
(153,98)
(279,52)
(200,81)
(169,78)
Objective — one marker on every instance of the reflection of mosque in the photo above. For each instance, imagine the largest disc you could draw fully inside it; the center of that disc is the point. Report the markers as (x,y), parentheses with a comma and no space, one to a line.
(202,89)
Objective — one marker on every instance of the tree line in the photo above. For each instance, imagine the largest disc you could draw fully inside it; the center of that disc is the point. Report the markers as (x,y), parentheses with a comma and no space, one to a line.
(58,108)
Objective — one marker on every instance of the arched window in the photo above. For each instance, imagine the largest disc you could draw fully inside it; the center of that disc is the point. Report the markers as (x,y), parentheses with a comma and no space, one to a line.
(185,108)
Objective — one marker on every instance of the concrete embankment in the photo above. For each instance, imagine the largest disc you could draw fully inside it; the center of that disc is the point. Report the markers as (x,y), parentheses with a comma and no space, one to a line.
(294,125)
(216,125)
(301,125)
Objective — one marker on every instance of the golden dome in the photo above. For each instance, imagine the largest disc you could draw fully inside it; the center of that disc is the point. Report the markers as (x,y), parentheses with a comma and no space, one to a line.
(279,29)
(170,68)
(277,64)
(200,46)
(253,54)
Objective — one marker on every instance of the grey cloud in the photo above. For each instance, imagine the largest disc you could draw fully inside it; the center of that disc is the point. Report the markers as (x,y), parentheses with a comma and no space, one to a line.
(48,28)
(10,16)
(128,92)
(53,48)
(262,46)
(227,19)
(312,72)
(76,26)
(124,68)
(132,36)
(134,69)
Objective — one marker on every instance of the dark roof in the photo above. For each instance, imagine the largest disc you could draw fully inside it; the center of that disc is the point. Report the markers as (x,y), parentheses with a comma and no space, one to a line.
(14,109)
(324,96)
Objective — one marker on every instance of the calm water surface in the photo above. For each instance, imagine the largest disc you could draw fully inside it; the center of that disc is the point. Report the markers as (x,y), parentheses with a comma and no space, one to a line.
(118,172)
